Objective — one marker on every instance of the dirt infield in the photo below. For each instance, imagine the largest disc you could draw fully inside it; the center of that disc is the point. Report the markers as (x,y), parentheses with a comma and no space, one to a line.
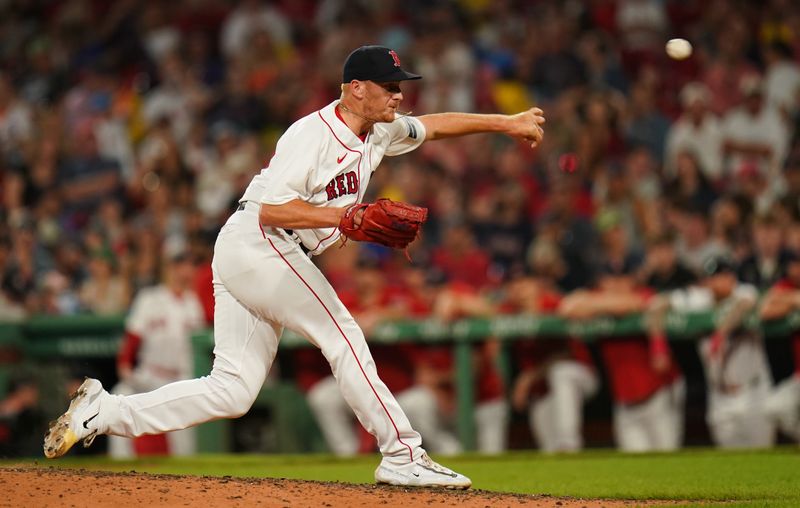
(50,487)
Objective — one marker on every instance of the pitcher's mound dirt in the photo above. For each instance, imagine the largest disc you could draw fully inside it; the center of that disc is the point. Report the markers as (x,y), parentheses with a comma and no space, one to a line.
(52,487)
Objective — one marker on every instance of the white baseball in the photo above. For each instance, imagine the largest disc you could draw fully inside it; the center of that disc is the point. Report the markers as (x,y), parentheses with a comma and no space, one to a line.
(679,49)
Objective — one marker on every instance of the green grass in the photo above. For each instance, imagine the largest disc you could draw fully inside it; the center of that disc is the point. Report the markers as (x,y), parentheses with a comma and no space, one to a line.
(763,478)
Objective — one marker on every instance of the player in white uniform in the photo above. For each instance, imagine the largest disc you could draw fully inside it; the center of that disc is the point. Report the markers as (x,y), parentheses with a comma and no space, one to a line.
(264,281)
(157,349)
(737,372)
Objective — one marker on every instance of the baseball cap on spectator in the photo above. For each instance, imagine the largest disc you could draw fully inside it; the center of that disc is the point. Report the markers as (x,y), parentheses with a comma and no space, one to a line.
(374,63)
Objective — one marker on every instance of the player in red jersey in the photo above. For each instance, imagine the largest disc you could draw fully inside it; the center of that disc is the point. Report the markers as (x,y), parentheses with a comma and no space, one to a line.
(556,374)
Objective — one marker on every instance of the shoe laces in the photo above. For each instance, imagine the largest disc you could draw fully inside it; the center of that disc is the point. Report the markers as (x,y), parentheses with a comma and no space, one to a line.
(426,461)
(88,440)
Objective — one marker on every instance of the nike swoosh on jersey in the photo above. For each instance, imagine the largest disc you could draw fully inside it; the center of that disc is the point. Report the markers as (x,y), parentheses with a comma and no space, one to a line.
(340,159)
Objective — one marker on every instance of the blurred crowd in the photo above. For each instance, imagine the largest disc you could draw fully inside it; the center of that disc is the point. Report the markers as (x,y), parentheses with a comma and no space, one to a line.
(128,131)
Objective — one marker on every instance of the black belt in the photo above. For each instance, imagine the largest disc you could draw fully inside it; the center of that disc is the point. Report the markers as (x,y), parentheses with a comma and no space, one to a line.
(290,232)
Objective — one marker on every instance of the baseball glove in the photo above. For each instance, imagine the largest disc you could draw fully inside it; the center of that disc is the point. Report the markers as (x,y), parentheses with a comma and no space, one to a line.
(386,222)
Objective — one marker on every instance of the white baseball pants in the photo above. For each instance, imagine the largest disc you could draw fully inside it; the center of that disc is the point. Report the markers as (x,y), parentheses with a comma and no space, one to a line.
(739,419)
(181,443)
(654,425)
(335,418)
(783,406)
(491,422)
(264,282)
(556,419)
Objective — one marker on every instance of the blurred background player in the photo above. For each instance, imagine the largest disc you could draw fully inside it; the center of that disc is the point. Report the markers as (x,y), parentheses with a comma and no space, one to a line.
(556,374)
(157,350)
(783,299)
(737,373)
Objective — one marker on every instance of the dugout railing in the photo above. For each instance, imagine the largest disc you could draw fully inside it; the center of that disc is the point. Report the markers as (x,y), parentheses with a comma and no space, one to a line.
(97,338)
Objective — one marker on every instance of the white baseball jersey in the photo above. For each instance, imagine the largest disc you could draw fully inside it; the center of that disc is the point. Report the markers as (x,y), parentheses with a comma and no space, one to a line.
(321,161)
(164,321)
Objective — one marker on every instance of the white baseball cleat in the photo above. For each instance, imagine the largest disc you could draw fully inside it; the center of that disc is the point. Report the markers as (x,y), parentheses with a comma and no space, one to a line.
(78,423)
(423,472)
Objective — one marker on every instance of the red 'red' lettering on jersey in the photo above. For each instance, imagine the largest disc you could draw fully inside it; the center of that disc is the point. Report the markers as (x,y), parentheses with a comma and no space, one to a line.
(342,185)
(395,57)
(352,182)
(331,190)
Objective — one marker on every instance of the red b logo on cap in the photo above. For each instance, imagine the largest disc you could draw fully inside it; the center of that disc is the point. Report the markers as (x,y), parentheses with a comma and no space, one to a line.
(395,57)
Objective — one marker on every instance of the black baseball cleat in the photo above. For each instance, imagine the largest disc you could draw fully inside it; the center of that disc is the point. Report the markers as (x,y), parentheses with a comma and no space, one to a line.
(423,472)
(80,422)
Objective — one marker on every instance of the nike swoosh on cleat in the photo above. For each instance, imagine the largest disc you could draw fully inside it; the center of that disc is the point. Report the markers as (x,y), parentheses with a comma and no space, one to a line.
(416,474)
(85,422)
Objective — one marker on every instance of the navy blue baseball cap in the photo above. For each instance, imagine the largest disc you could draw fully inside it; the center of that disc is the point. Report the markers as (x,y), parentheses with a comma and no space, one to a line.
(374,63)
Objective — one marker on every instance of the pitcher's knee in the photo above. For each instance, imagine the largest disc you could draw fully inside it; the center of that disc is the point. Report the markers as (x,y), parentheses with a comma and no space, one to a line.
(233,396)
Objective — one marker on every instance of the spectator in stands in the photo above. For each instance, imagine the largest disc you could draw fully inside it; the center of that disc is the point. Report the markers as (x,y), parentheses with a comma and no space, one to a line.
(157,350)
(86,177)
(251,16)
(641,24)
(782,79)
(754,133)
(615,196)
(689,184)
(556,374)
(697,131)
(573,235)
(782,300)
(729,66)
(645,124)
(104,292)
(737,373)
(16,124)
(506,233)
(557,68)
(727,218)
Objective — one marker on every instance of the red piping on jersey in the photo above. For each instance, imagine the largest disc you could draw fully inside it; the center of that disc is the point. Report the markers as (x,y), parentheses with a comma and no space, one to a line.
(360,158)
(362,137)
(397,431)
